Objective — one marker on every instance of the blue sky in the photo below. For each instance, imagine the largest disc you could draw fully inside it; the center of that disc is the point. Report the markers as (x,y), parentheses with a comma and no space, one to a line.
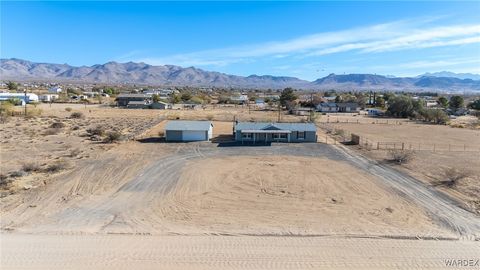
(303,39)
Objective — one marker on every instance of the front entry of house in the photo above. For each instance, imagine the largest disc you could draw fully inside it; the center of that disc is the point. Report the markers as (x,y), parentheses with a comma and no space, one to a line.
(266,136)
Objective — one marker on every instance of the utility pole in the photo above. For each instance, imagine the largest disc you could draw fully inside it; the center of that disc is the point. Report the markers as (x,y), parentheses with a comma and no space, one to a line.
(279,111)
(25,100)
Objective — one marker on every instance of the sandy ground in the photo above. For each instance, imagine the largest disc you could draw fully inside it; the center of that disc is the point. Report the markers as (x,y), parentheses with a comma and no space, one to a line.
(154,205)
(288,195)
(415,134)
(426,164)
(202,189)
(20,251)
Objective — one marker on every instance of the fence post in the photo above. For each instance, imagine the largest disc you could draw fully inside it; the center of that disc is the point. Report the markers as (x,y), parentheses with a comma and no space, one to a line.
(403,146)
(378,145)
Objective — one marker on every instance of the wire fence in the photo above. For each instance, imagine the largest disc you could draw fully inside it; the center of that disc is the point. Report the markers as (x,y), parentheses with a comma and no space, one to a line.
(335,135)
(361,120)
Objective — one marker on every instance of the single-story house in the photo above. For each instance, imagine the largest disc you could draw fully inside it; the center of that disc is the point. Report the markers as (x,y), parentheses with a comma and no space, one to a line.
(124,99)
(55,90)
(160,105)
(348,107)
(327,107)
(180,130)
(301,111)
(48,97)
(258,132)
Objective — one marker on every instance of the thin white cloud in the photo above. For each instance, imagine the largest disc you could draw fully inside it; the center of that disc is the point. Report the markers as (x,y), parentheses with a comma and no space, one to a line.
(393,36)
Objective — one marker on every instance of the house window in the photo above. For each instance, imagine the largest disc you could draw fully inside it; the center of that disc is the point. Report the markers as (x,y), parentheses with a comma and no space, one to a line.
(247,135)
(279,136)
(301,135)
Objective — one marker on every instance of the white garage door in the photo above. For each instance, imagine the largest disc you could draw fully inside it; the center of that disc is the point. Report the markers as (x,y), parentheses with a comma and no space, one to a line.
(190,135)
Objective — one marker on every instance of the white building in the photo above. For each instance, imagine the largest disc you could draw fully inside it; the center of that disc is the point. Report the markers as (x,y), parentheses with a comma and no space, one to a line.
(29,98)
(48,97)
(55,90)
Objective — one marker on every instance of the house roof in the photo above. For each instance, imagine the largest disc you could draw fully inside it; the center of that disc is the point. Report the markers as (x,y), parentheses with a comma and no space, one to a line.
(275,126)
(133,96)
(188,125)
(328,104)
(348,104)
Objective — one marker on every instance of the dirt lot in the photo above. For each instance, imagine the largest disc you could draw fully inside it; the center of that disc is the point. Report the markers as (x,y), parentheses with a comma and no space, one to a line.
(428,165)
(305,193)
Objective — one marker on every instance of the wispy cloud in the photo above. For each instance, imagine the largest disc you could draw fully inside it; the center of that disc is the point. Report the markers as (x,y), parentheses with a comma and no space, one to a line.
(387,37)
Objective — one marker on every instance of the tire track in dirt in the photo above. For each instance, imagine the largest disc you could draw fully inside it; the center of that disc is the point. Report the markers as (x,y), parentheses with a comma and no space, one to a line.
(442,208)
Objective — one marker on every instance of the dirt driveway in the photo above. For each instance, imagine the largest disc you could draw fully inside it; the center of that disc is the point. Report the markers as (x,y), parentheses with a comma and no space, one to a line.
(125,195)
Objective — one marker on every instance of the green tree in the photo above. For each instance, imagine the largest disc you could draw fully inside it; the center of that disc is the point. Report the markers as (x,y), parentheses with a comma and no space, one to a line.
(400,106)
(287,96)
(387,96)
(456,102)
(155,98)
(435,115)
(196,100)
(174,98)
(475,104)
(186,96)
(12,85)
(443,102)
(380,102)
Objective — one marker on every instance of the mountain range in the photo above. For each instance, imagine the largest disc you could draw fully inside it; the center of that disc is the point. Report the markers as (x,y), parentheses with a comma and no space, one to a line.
(170,75)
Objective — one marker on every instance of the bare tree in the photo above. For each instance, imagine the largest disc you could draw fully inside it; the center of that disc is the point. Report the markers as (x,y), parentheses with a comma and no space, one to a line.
(452,176)
(400,156)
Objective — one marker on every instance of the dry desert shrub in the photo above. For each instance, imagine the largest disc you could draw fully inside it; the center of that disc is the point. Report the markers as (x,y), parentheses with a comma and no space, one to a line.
(113,136)
(56,167)
(77,115)
(452,176)
(4,180)
(400,156)
(57,125)
(31,113)
(52,131)
(68,109)
(96,131)
(74,152)
(30,167)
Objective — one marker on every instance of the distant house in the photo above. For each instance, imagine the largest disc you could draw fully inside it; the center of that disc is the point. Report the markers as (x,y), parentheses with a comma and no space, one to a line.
(375,112)
(348,107)
(91,94)
(260,102)
(262,132)
(160,105)
(188,130)
(241,99)
(327,107)
(429,103)
(48,97)
(301,111)
(124,99)
(138,104)
(28,98)
(55,90)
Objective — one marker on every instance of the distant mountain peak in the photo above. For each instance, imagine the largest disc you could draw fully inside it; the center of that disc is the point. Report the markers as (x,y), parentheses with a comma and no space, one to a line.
(171,75)
(449,74)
